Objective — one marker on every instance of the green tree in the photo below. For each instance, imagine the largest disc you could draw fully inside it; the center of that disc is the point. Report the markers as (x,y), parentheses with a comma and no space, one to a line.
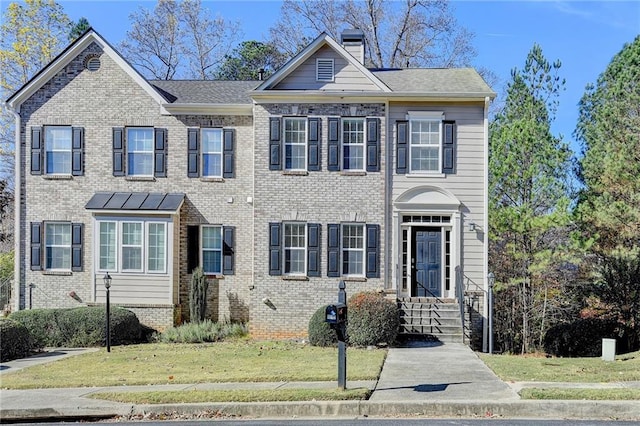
(245,61)
(609,129)
(78,28)
(609,204)
(529,200)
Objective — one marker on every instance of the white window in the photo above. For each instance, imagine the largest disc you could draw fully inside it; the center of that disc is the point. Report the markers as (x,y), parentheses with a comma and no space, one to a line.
(295,248)
(211,240)
(132,246)
(140,151)
(295,143)
(324,69)
(353,249)
(353,143)
(156,247)
(108,246)
(57,142)
(212,152)
(58,246)
(425,149)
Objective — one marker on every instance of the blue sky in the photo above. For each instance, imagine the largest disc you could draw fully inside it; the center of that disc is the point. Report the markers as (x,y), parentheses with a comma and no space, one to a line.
(583,35)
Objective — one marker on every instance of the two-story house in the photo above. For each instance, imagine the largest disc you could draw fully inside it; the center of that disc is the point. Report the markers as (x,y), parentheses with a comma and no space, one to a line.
(278,189)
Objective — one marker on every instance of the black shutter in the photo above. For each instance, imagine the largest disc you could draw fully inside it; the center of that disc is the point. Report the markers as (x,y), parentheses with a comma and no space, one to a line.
(402,146)
(228,149)
(449,147)
(333,164)
(333,250)
(193,148)
(275,150)
(36,246)
(37,150)
(313,250)
(373,252)
(228,251)
(160,152)
(193,247)
(313,141)
(118,152)
(373,144)
(76,247)
(77,151)
(275,249)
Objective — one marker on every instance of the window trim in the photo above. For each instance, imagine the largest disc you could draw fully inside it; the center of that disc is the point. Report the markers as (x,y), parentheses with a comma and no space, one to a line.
(285,143)
(130,152)
(304,249)
(203,152)
(429,116)
(202,249)
(362,144)
(362,250)
(324,66)
(47,142)
(47,246)
(144,245)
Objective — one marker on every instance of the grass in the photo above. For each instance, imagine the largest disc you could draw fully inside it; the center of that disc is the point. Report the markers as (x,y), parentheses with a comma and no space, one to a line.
(196,396)
(541,369)
(581,394)
(162,363)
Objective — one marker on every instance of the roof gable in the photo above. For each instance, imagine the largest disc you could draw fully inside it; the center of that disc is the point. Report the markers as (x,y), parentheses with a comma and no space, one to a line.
(299,72)
(67,55)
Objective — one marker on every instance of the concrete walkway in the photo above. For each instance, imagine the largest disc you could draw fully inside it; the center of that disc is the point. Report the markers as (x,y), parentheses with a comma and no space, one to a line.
(429,380)
(430,371)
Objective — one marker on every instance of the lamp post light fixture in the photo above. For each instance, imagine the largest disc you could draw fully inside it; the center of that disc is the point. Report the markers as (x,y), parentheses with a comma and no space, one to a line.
(492,279)
(107,286)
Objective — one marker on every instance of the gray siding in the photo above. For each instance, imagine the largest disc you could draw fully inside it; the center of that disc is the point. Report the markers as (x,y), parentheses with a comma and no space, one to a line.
(347,76)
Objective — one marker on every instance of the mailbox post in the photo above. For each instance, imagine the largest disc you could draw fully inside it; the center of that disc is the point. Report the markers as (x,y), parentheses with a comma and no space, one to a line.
(336,317)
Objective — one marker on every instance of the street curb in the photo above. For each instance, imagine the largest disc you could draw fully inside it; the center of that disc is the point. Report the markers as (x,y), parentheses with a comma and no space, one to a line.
(585,410)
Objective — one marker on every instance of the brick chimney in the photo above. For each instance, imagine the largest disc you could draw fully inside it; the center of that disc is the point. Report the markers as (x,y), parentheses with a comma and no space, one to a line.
(353,42)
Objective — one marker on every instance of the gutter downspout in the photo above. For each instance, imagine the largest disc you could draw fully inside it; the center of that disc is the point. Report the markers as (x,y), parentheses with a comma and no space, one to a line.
(17,195)
(388,246)
(485,250)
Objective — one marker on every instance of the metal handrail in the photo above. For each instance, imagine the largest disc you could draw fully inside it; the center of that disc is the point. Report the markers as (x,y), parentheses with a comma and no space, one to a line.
(460,297)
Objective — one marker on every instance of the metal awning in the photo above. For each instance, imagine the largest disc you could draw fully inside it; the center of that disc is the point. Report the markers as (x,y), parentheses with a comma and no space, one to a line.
(136,201)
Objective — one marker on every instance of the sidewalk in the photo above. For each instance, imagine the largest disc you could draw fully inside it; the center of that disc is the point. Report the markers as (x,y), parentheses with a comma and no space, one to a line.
(443,380)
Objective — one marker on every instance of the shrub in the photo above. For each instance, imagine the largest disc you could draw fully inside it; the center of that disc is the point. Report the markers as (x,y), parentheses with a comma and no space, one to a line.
(581,338)
(198,296)
(372,319)
(16,341)
(79,327)
(205,331)
(320,334)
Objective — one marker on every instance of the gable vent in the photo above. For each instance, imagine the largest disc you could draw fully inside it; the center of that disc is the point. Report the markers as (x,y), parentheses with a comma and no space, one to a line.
(93,64)
(324,69)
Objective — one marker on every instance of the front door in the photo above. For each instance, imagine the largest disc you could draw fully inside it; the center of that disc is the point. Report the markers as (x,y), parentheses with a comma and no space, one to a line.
(426,262)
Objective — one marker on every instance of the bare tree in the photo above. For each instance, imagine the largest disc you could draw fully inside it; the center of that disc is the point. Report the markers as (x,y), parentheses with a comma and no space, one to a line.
(208,39)
(178,40)
(415,32)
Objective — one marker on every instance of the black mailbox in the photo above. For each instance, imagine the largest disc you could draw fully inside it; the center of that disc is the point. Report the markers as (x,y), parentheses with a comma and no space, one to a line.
(336,314)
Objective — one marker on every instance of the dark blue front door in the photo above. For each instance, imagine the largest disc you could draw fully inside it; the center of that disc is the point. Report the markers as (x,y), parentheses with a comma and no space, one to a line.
(427,252)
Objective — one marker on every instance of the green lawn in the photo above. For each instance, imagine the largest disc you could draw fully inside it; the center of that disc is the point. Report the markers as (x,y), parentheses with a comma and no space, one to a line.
(541,369)
(157,363)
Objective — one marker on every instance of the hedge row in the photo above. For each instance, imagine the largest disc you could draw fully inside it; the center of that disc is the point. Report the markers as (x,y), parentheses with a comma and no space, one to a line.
(16,341)
(371,320)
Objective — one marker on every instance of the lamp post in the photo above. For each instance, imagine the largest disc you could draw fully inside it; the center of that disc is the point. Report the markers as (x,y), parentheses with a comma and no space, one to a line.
(492,279)
(107,286)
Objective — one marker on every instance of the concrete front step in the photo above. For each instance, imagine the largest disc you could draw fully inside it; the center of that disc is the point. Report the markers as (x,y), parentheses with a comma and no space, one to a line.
(423,316)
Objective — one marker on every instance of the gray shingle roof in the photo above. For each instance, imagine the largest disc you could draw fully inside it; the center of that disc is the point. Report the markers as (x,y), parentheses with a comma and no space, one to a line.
(434,80)
(205,91)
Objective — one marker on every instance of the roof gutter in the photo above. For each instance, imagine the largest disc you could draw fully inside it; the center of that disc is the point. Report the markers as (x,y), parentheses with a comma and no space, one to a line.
(288,96)
(204,108)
